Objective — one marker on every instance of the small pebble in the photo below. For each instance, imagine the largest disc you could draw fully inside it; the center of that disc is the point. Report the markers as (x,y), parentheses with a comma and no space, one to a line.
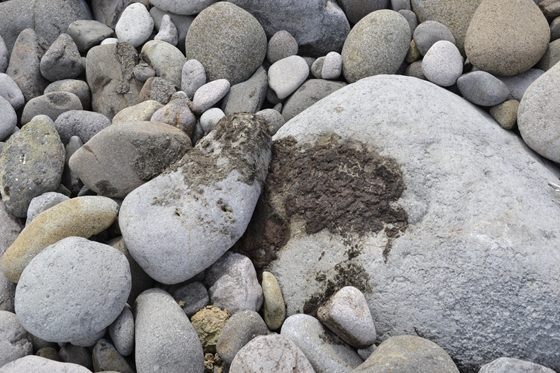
(281,45)
(167,31)
(193,76)
(209,94)
(88,33)
(482,88)
(286,75)
(429,32)
(135,25)
(506,113)
(42,203)
(274,307)
(237,332)
(122,332)
(317,68)
(191,297)
(10,91)
(106,358)
(332,66)
(210,118)
(443,63)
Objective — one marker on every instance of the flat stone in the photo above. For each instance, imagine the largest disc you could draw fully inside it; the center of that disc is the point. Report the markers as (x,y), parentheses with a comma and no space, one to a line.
(52,105)
(193,76)
(166,60)
(210,118)
(62,60)
(42,203)
(8,119)
(506,113)
(241,328)
(508,364)
(286,75)
(274,306)
(37,364)
(209,95)
(61,294)
(248,96)
(122,332)
(192,297)
(88,33)
(214,183)
(82,216)
(10,91)
(135,25)
(75,86)
(429,32)
(164,337)
(167,31)
(31,164)
(309,93)
(15,341)
(137,113)
(281,45)
(482,88)
(81,123)
(443,63)
(107,358)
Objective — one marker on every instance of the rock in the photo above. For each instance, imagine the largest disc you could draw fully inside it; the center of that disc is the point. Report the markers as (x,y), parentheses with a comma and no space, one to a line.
(347,314)
(430,32)
(376,45)
(108,12)
(407,354)
(61,294)
(519,83)
(62,60)
(193,76)
(52,105)
(324,30)
(83,217)
(332,66)
(182,23)
(157,89)
(287,75)
(273,119)
(81,123)
(48,353)
(481,88)
(183,7)
(37,364)
(138,113)
(508,364)
(443,64)
(135,25)
(538,117)
(10,91)
(143,72)
(210,118)
(191,297)
(107,358)
(10,227)
(309,93)
(554,29)
(177,113)
(414,123)
(209,94)
(31,164)
(317,68)
(143,150)
(164,337)
(88,33)
(4,56)
(112,64)
(550,8)
(271,353)
(89,340)
(491,49)
(215,174)
(411,18)
(274,307)
(77,87)
(166,60)
(397,5)
(325,351)
(122,332)
(228,41)
(455,14)
(355,10)
(413,54)
(167,31)
(248,96)
(232,284)
(208,324)
(8,119)
(241,328)
(551,56)
(15,341)
(109,41)
(506,113)
(281,45)
(24,64)
(76,355)
(7,294)
(42,203)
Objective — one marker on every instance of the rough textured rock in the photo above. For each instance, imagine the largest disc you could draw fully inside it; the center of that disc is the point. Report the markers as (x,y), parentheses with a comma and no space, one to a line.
(107,358)
(456,215)
(75,86)
(508,53)
(228,41)
(209,323)
(177,113)
(248,96)
(8,119)
(509,365)
(62,60)
(10,91)
(309,93)
(376,45)
(37,364)
(164,337)
(158,89)
(15,341)
(205,202)
(51,104)
(81,123)
(31,164)
(237,332)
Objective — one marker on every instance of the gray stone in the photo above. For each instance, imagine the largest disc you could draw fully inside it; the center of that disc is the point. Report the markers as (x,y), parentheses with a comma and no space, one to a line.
(89,340)
(43,202)
(408,354)
(137,113)
(62,60)
(509,53)
(210,118)
(37,364)
(106,358)
(325,351)
(191,297)
(376,45)
(177,113)
(411,18)
(10,91)
(31,164)
(25,59)
(228,41)
(182,23)
(8,119)
(69,178)
(62,293)
(355,10)
(166,60)
(158,89)
(273,119)
(164,337)
(272,353)
(248,96)
(7,294)
(550,57)
(415,70)
(143,151)
(287,75)
(81,123)
(323,31)
(77,87)
(183,7)
(429,32)
(167,31)
(538,115)
(135,25)
(511,365)
(347,314)
(10,227)
(39,343)
(397,5)
(232,284)
(51,104)
(48,353)
(4,56)
(410,280)
(518,84)
(193,76)
(112,64)
(554,29)
(309,93)
(366,352)
(274,307)
(317,67)
(506,113)
(109,11)
(88,33)
(443,63)
(76,355)
(15,341)
(213,183)
(209,95)
(332,66)
(240,328)
(272,97)
(143,71)
(482,88)
(281,45)
(550,8)
(122,332)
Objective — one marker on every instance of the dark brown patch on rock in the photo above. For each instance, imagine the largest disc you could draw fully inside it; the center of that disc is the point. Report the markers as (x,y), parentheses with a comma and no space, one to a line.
(156,153)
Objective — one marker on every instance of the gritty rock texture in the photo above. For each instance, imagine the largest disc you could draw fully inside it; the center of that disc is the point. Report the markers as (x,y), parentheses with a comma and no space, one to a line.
(88,33)
(122,332)
(309,93)
(62,60)
(15,341)
(248,96)
(508,364)
(8,119)
(106,358)
(39,364)
(237,332)
(51,104)
(443,63)
(81,123)
(482,88)
(141,112)
(75,86)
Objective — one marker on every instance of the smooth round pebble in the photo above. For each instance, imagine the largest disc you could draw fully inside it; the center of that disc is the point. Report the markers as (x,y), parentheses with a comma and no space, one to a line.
(122,332)
(81,123)
(15,341)
(281,45)
(429,32)
(135,25)
(51,104)
(237,332)
(512,365)
(42,203)
(193,76)
(332,66)
(274,120)
(166,59)
(482,88)
(209,94)
(411,18)
(506,113)
(443,63)
(274,307)
(286,75)
(210,118)
(317,67)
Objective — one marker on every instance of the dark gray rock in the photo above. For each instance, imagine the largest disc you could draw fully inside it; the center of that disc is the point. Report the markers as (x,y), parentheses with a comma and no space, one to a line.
(10,91)
(77,87)
(309,93)
(15,341)
(81,123)
(238,331)
(51,104)
(4,56)
(429,32)
(355,10)
(62,60)
(76,355)
(281,45)
(106,358)
(88,33)
(248,96)
(482,88)
(109,11)
(191,297)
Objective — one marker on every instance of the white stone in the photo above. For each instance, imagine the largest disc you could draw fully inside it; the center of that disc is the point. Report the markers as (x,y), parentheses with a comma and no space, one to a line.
(332,66)
(443,63)
(135,25)
(286,75)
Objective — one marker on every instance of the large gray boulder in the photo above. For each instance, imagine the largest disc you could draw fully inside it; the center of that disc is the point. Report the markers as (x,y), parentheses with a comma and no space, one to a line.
(443,220)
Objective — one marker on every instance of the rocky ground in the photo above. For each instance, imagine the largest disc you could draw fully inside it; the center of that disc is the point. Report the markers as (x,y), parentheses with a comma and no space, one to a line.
(278,186)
